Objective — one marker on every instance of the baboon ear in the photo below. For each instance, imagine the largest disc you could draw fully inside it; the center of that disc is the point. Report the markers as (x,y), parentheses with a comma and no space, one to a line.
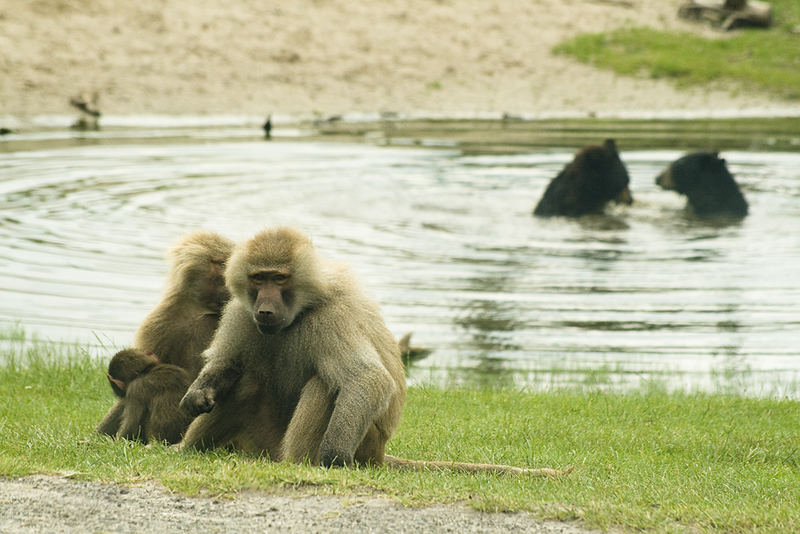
(610,144)
(116,382)
(152,356)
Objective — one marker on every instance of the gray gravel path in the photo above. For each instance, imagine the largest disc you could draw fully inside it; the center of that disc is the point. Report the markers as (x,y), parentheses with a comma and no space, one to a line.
(53,504)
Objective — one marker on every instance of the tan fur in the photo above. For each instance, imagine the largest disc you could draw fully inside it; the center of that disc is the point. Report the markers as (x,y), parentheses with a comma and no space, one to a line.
(182,324)
(328,388)
(411,352)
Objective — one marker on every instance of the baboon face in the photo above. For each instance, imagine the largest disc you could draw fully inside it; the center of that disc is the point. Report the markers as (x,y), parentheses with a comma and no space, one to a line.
(272,295)
(207,284)
(217,294)
(275,275)
(197,269)
(126,366)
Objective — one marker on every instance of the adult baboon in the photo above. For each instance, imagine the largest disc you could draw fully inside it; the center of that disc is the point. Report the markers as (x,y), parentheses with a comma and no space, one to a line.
(148,394)
(302,366)
(182,324)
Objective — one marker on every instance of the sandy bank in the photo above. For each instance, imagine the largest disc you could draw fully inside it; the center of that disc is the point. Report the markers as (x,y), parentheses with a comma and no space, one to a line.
(332,57)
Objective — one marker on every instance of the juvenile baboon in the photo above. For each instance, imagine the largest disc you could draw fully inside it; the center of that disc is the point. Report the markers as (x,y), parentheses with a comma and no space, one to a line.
(182,324)
(302,366)
(148,394)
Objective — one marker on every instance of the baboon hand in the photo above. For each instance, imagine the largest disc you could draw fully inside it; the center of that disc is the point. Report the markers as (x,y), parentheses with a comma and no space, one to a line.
(331,458)
(197,401)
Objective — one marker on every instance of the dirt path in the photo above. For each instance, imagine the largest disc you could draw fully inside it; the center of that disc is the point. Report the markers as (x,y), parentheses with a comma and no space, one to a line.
(336,56)
(52,504)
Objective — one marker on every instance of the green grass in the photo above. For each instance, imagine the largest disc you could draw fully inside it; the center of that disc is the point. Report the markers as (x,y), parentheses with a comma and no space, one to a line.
(767,60)
(644,460)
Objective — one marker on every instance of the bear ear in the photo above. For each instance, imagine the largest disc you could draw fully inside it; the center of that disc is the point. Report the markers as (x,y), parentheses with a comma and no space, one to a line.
(710,159)
(610,145)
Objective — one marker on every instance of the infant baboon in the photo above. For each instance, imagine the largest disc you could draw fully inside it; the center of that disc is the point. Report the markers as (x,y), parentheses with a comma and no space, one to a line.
(148,394)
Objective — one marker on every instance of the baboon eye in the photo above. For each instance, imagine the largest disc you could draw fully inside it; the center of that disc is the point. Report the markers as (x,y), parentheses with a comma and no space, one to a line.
(280,278)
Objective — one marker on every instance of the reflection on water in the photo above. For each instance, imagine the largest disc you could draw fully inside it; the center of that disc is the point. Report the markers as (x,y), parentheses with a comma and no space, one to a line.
(445,241)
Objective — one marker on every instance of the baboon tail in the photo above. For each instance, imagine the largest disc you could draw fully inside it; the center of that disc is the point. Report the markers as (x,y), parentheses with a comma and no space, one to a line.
(466,467)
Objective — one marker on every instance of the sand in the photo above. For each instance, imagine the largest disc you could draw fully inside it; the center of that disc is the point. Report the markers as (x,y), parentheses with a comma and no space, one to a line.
(328,57)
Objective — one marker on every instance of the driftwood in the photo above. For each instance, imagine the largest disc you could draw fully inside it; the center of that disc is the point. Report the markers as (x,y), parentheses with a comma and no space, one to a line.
(728,14)
(86,104)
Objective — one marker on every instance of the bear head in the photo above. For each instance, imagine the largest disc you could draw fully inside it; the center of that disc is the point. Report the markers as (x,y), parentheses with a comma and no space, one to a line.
(595,176)
(708,185)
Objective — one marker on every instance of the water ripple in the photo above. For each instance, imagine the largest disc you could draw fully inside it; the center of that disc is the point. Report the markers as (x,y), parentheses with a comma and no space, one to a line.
(445,241)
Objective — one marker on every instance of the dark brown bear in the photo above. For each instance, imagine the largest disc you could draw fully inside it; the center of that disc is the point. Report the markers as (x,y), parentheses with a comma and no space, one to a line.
(708,185)
(595,176)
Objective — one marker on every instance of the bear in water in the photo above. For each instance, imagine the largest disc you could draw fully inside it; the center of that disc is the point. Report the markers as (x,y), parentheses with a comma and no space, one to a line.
(708,185)
(595,176)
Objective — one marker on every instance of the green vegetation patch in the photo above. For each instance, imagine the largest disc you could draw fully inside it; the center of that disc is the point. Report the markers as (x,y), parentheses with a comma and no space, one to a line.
(644,460)
(767,60)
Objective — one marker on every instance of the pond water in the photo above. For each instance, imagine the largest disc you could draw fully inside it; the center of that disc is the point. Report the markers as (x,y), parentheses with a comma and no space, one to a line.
(444,240)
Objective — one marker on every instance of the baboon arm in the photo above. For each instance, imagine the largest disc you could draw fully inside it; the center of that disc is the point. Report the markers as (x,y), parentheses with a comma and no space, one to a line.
(214,382)
(111,422)
(220,376)
(132,418)
(223,365)
(364,390)
(308,424)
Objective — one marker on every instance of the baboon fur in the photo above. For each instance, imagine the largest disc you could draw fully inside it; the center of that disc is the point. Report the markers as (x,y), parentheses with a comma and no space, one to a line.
(148,394)
(324,383)
(182,324)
